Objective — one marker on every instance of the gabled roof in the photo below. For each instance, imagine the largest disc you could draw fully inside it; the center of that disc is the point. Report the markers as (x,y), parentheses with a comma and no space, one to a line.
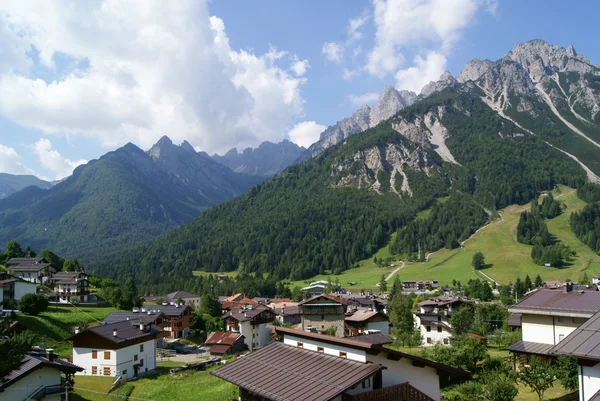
(244,315)
(126,331)
(223,337)
(328,296)
(29,268)
(445,300)
(171,310)
(559,303)
(235,297)
(583,342)
(288,310)
(34,361)
(283,372)
(363,316)
(145,318)
(25,261)
(528,347)
(182,294)
(373,339)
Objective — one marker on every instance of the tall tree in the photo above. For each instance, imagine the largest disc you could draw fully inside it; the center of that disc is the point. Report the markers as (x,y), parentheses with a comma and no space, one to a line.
(382,283)
(13,349)
(130,296)
(528,284)
(14,250)
(478,261)
(538,376)
(52,258)
(209,305)
(538,281)
(462,320)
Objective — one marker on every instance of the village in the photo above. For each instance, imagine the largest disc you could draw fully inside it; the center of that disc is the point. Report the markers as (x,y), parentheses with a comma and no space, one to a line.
(332,345)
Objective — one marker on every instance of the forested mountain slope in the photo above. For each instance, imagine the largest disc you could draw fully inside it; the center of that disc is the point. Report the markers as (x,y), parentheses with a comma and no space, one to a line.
(337,208)
(124,198)
(11,183)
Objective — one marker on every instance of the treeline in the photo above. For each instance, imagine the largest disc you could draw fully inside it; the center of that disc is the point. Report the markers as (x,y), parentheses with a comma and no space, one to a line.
(589,192)
(448,224)
(15,250)
(586,226)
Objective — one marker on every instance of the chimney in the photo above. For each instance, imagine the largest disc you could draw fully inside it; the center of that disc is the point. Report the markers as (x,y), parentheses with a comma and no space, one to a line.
(127,317)
(50,354)
(114,332)
(142,326)
(568,286)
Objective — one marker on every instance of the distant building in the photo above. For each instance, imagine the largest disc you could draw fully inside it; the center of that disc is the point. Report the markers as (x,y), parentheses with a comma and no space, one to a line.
(187,297)
(420,285)
(363,321)
(433,318)
(251,322)
(148,317)
(40,376)
(322,313)
(125,349)
(71,286)
(224,342)
(287,313)
(13,288)
(34,270)
(320,287)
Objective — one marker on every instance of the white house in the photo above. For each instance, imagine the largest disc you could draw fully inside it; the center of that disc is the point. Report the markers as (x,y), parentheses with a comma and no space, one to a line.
(251,322)
(359,370)
(40,376)
(433,318)
(35,270)
(71,286)
(125,349)
(549,316)
(13,288)
(583,343)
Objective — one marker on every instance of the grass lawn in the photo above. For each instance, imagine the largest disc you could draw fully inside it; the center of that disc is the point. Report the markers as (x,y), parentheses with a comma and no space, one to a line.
(58,322)
(200,273)
(525,393)
(91,388)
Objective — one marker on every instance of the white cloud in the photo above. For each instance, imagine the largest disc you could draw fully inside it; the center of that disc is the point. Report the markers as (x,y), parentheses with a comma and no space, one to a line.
(306,133)
(155,68)
(53,161)
(349,74)
(299,66)
(333,51)
(11,163)
(424,71)
(364,99)
(428,25)
(354,26)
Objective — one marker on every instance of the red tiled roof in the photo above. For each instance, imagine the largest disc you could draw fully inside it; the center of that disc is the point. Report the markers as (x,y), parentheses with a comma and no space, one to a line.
(222,338)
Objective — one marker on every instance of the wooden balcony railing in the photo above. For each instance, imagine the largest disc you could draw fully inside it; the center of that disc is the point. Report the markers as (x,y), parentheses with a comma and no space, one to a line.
(399,392)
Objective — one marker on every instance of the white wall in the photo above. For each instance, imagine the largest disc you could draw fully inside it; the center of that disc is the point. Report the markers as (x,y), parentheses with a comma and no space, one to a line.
(589,382)
(22,288)
(120,360)
(437,338)
(548,329)
(255,336)
(424,379)
(329,349)
(23,388)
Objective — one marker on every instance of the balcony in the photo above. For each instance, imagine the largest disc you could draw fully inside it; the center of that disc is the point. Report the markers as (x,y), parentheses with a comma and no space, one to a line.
(399,392)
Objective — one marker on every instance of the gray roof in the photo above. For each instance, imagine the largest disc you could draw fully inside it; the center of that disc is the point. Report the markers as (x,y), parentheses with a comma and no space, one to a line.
(559,303)
(115,317)
(283,372)
(30,268)
(34,361)
(289,310)
(126,331)
(528,347)
(169,310)
(181,294)
(515,319)
(243,315)
(583,342)
(373,338)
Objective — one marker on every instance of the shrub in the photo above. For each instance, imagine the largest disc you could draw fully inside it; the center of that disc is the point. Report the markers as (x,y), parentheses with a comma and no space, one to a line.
(33,304)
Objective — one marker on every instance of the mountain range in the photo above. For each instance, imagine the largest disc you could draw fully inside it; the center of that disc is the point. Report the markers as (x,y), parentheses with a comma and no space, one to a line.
(126,197)
(495,135)
(11,183)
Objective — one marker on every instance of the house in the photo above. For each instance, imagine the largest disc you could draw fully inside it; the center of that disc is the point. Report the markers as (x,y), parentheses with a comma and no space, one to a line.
(420,285)
(181,318)
(40,376)
(317,367)
(433,318)
(125,349)
(583,343)
(286,312)
(35,270)
(320,287)
(71,286)
(12,290)
(361,321)
(187,297)
(148,317)
(251,322)
(225,342)
(549,316)
(226,305)
(323,313)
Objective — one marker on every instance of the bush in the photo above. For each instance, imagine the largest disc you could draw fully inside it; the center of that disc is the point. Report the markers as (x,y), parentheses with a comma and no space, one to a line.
(124,392)
(33,304)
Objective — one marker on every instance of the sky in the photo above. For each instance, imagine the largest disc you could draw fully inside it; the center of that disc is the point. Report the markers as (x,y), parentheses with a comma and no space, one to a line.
(81,78)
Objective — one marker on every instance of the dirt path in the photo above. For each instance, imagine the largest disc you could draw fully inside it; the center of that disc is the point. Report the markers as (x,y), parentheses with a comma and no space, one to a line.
(396,270)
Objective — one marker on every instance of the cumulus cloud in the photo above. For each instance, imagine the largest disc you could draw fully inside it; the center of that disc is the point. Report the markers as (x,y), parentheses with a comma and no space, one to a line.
(152,68)
(306,133)
(432,26)
(349,74)
(364,99)
(53,161)
(354,26)
(11,163)
(333,51)
(424,71)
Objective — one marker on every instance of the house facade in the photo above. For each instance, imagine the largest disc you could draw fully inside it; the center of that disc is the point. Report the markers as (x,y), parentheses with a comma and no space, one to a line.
(40,376)
(71,287)
(188,298)
(34,270)
(125,349)
(287,313)
(12,290)
(224,342)
(363,321)
(180,319)
(323,313)
(433,318)
(251,323)
(420,285)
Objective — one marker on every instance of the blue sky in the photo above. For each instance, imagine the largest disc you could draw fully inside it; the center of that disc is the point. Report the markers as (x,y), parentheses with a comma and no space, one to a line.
(83,78)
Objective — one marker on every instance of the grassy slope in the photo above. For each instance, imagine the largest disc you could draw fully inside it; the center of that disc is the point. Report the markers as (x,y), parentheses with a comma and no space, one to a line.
(57,323)
(497,241)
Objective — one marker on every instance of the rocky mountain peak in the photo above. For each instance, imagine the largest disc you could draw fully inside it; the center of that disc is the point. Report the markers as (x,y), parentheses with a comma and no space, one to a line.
(390,102)
(187,146)
(474,69)
(446,80)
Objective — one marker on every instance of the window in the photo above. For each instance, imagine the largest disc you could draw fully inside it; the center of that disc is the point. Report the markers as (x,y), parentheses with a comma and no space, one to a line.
(141,347)
(343,355)
(446,341)
(429,340)
(141,362)
(439,329)
(561,337)
(366,383)
(300,345)
(124,372)
(322,317)
(94,370)
(135,357)
(94,354)
(428,328)
(320,349)
(107,355)
(106,371)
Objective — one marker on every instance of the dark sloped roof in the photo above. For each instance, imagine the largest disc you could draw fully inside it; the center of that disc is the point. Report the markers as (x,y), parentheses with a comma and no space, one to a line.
(32,362)
(115,317)
(287,311)
(374,338)
(528,347)
(515,320)
(126,331)
(182,295)
(244,315)
(555,302)
(445,300)
(281,372)
(583,342)
(219,349)
(223,337)
(26,261)
(170,310)
(30,268)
